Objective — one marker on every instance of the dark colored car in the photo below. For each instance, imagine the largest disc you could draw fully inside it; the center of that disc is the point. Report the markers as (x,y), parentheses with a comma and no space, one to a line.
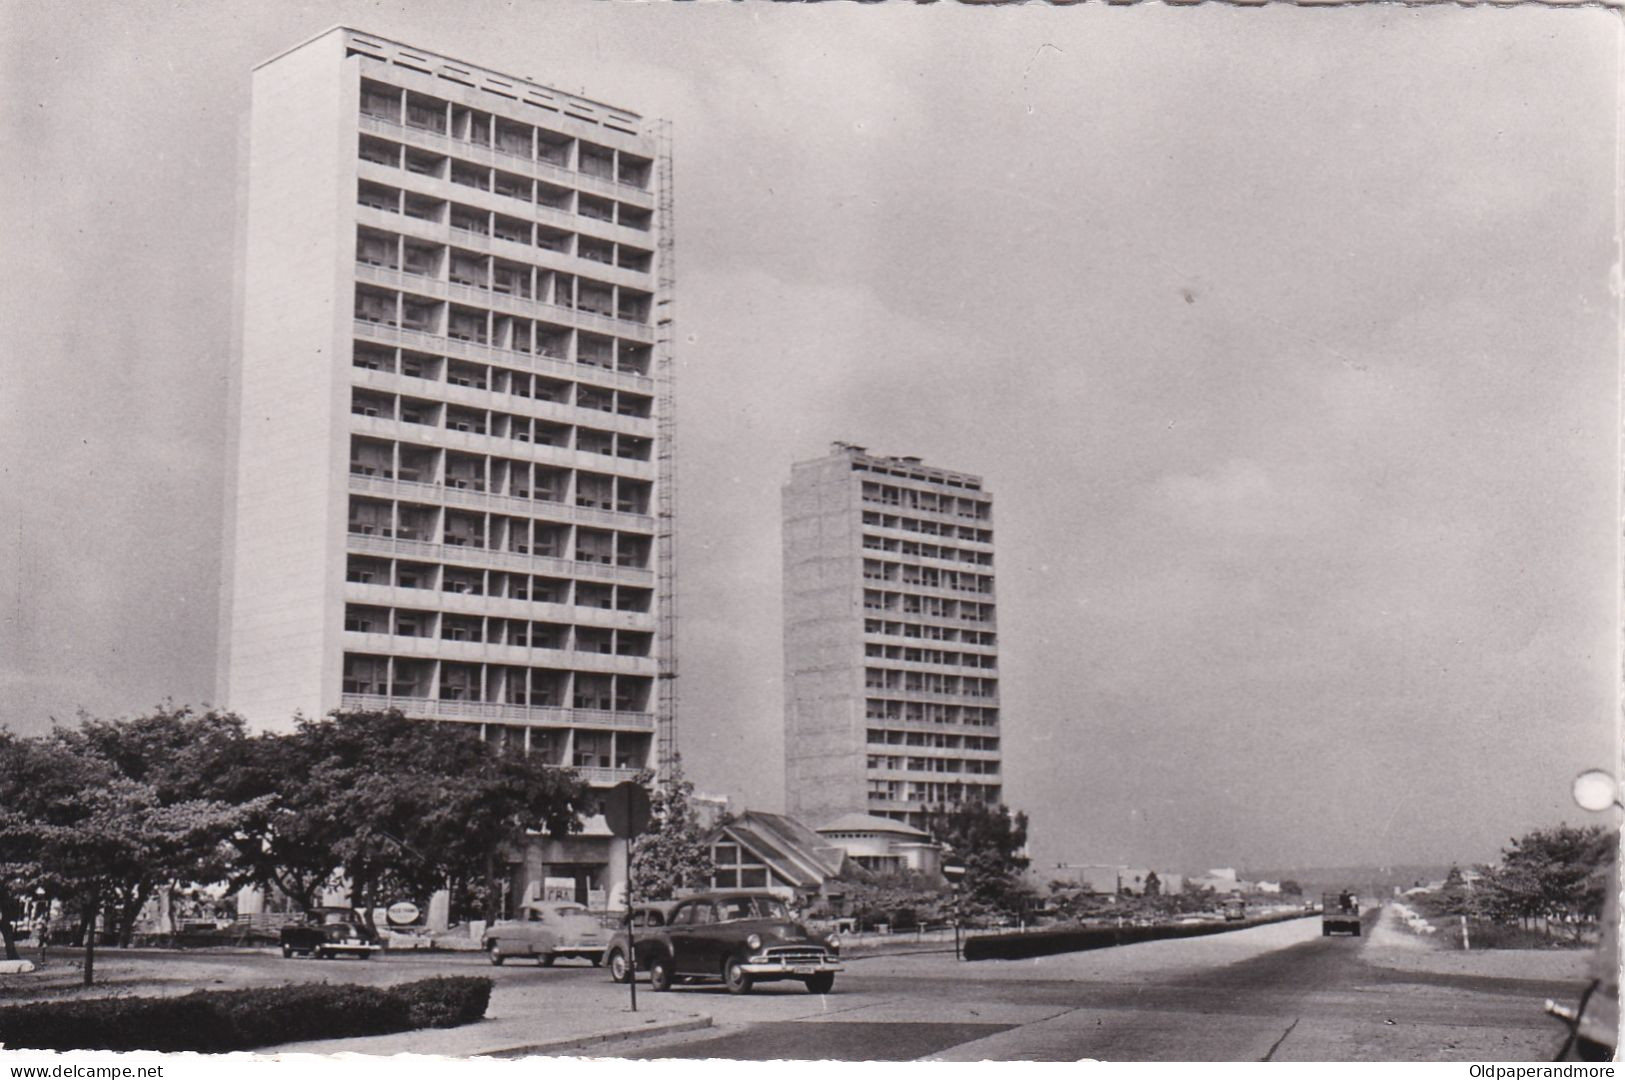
(740,938)
(646,922)
(326,932)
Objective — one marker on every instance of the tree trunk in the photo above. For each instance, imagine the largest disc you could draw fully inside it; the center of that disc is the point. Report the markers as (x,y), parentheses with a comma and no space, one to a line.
(132,912)
(7,934)
(490,886)
(359,889)
(92,906)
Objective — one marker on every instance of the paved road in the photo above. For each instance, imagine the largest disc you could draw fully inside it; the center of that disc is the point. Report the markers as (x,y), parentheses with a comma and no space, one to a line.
(1269,994)
(1278,992)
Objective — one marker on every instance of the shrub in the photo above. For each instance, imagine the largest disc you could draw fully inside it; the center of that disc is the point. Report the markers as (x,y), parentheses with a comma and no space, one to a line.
(1066,939)
(446,1001)
(217,1021)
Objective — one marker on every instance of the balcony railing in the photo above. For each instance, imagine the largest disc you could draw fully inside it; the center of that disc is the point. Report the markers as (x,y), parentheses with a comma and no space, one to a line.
(427,139)
(481,500)
(500,560)
(502,713)
(489,354)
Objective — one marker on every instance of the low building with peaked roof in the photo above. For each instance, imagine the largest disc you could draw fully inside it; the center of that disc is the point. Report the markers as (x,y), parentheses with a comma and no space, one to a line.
(757,850)
(884,846)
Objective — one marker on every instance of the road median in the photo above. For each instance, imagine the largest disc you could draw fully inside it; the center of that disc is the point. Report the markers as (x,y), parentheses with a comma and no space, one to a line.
(1054,940)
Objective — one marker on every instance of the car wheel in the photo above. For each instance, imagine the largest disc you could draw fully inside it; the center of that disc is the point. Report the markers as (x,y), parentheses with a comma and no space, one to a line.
(595,959)
(287,952)
(546,959)
(496,955)
(660,974)
(821,984)
(736,978)
(619,970)
(1356,931)
(319,953)
(1325,931)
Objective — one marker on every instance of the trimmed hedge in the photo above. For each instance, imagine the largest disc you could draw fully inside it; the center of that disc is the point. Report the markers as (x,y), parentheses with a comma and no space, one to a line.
(218,1021)
(1082,938)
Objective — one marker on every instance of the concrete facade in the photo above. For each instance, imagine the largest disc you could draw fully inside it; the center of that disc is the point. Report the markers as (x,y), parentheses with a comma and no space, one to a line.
(890,639)
(448,413)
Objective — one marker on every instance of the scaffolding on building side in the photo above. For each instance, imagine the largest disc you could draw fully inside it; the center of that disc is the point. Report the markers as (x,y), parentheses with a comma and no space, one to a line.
(666,476)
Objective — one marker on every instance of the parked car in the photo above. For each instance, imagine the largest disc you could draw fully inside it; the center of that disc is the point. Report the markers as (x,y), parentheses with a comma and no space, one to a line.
(328,932)
(740,937)
(548,930)
(646,919)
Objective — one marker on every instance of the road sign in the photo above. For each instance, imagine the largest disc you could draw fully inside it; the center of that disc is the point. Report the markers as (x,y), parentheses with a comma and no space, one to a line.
(402,913)
(627,809)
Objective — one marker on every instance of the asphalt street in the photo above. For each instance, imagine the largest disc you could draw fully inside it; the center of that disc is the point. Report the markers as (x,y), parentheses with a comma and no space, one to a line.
(1280,992)
(1298,996)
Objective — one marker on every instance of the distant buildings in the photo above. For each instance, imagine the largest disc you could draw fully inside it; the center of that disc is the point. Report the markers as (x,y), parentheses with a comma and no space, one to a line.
(890,639)
(1111,879)
(448,488)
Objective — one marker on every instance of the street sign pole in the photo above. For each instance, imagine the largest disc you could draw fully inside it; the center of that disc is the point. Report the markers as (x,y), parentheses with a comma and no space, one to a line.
(631,944)
(626,811)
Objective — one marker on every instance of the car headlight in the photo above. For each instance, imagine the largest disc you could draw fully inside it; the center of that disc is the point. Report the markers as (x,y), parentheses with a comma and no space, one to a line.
(754,941)
(834,942)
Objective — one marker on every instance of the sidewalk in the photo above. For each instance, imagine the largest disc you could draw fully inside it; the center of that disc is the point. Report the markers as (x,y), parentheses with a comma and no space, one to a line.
(533,1020)
(1392,945)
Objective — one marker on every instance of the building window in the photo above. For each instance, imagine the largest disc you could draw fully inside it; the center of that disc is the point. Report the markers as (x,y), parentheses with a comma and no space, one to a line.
(737,868)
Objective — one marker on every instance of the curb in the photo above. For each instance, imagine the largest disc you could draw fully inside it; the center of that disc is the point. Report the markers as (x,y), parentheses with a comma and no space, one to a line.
(561,1046)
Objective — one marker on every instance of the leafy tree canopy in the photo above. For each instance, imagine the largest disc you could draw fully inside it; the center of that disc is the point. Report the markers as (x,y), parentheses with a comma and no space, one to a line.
(989,842)
(674,853)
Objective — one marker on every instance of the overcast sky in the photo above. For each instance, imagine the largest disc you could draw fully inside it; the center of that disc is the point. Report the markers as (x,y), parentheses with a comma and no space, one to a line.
(1283,338)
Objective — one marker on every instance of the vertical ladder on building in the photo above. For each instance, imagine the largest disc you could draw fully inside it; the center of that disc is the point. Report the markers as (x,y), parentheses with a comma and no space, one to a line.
(666,477)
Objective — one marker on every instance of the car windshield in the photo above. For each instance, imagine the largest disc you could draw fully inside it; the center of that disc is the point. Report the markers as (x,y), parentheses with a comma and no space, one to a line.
(750,907)
(571,910)
(335,918)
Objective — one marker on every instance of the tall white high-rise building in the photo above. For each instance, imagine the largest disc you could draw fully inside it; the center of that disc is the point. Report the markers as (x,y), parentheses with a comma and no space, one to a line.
(448,487)
(890,639)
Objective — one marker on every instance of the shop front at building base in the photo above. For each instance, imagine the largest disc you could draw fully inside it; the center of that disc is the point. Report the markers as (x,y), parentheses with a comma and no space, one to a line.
(588,868)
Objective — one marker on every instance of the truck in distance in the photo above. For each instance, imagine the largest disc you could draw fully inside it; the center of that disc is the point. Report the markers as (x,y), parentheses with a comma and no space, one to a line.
(1339,913)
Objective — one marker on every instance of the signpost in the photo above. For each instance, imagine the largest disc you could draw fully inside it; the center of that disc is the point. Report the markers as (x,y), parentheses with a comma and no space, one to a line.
(626,811)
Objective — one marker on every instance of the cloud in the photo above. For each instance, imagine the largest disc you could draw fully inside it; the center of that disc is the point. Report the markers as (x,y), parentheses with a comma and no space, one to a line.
(1241,498)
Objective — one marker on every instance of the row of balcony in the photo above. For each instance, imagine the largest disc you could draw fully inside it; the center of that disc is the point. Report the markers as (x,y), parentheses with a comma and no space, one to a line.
(591,370)
(592,419)
(543,160)
(915,635)
(561,311)
(460,493)
(370,581)
(958,664)
(484,385)
(420,424)
(379,543)
(911,528)
(502,713)
(484,222)
(908,606)
(946,558)
(438,648)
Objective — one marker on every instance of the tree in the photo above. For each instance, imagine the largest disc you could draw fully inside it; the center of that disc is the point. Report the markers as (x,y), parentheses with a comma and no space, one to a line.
(26,781)
(172,753)
(673,853)
(1153,884)
(1291,888)
(1561,872)
(398,807)
(989,842)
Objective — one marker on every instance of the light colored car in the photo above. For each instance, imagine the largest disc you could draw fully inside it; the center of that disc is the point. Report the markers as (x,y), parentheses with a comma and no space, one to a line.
(548,930)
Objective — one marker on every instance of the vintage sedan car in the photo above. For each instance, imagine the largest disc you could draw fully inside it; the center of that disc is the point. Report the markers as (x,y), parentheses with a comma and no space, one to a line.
(740,937)
(645,920)
(327,932)
(548,930)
